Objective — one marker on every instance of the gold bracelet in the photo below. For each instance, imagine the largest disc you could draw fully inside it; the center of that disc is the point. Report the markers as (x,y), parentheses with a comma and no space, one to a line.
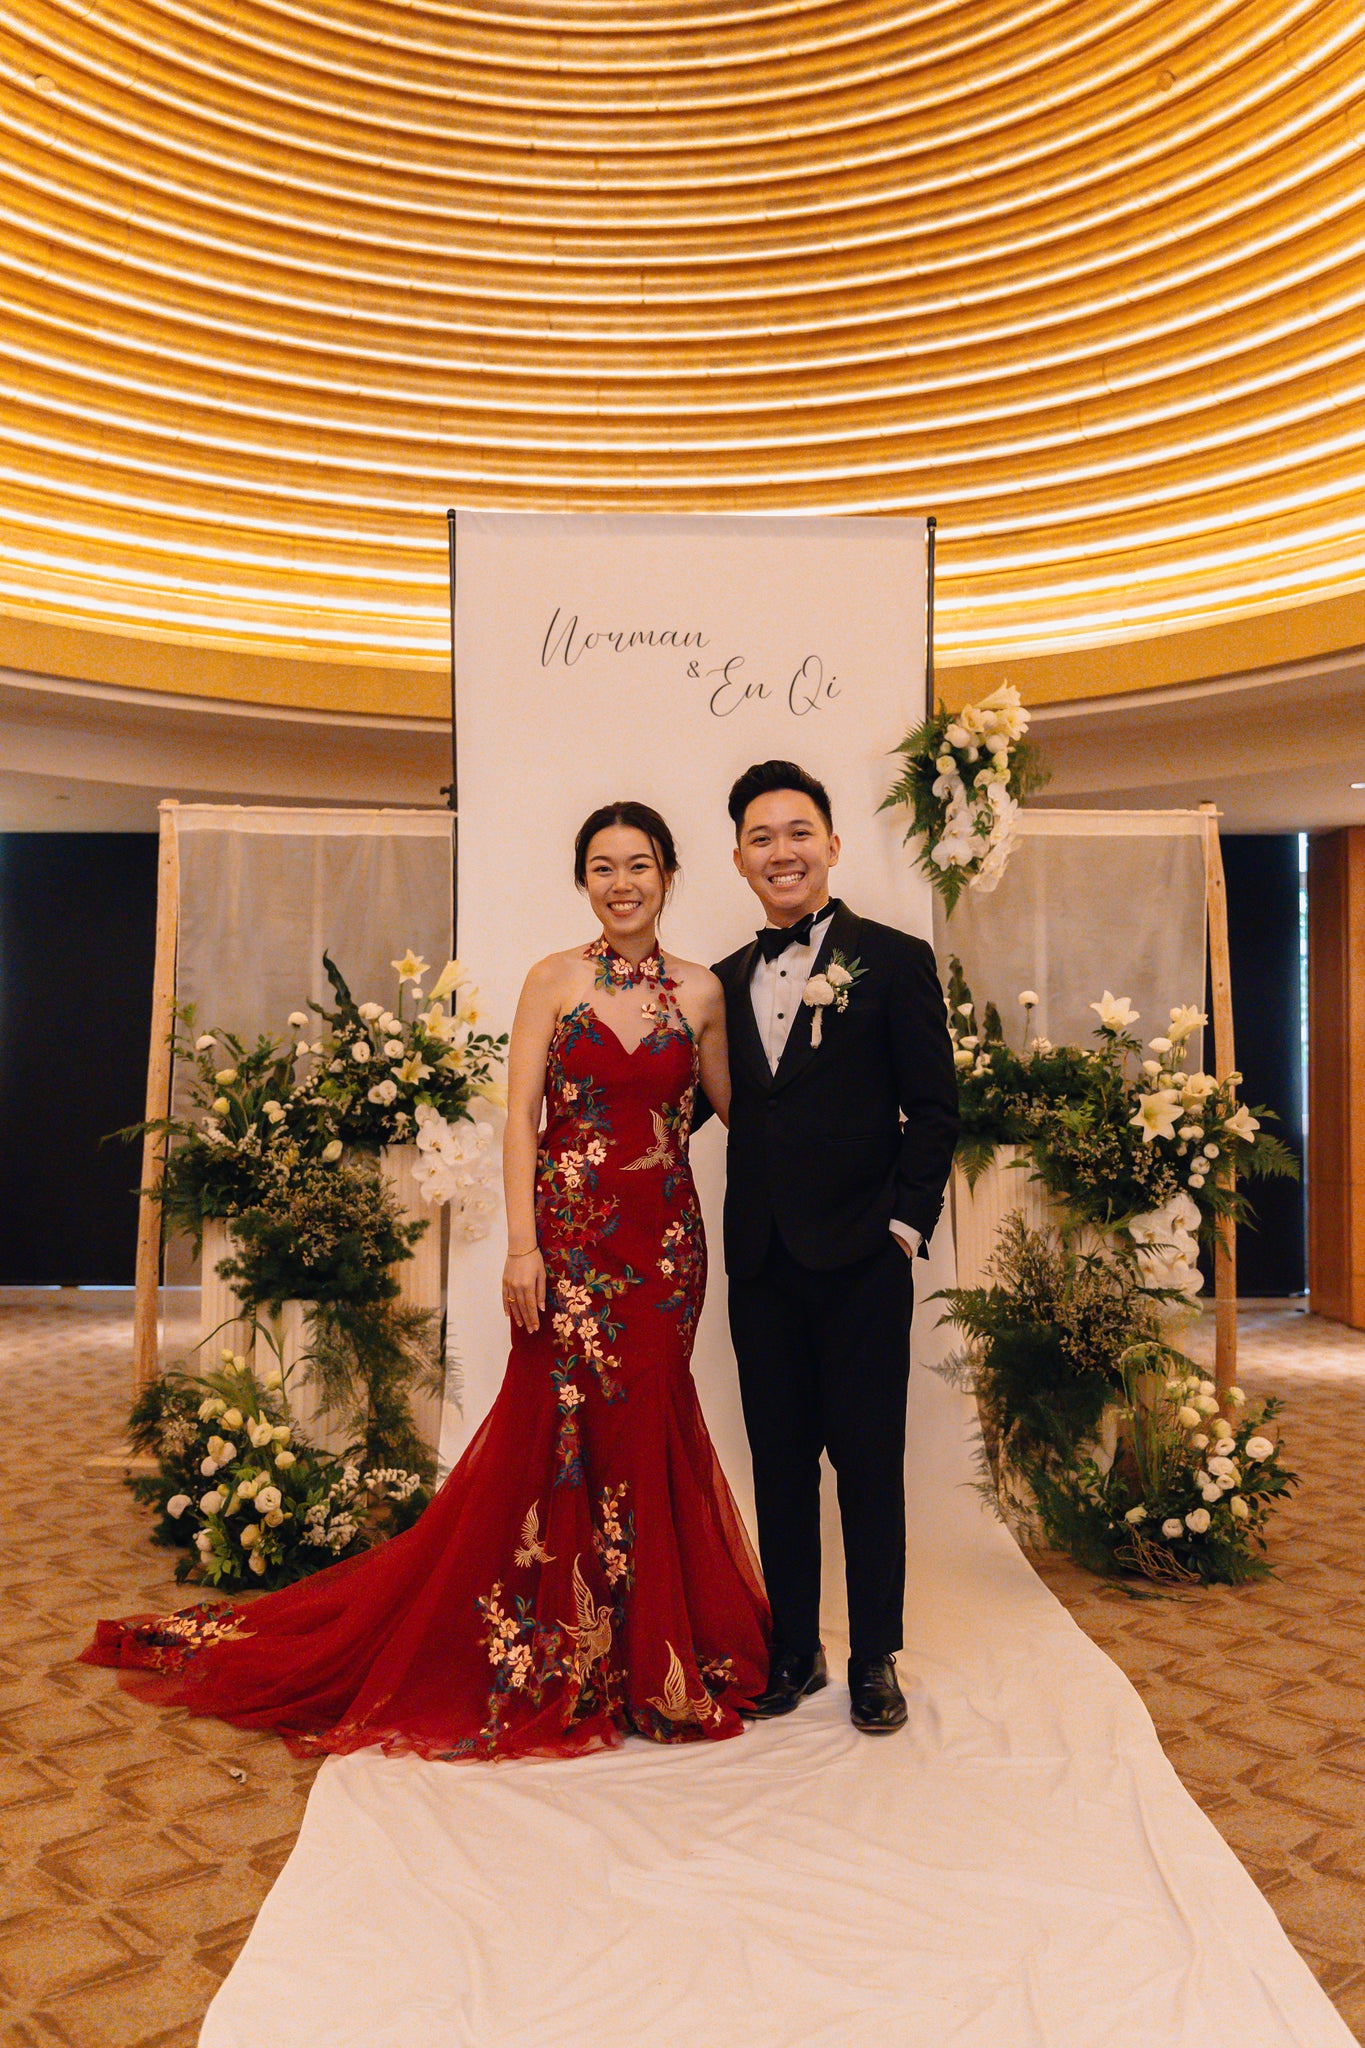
(524,1255)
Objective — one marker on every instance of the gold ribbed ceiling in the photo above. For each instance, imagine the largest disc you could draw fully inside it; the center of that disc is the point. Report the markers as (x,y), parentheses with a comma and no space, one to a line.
(282,279)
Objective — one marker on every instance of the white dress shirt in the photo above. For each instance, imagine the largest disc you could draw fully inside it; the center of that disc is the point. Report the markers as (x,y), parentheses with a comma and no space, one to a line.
(775,992)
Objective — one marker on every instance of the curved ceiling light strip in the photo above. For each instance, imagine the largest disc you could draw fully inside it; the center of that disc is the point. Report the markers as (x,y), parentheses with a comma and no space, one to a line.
(277,284)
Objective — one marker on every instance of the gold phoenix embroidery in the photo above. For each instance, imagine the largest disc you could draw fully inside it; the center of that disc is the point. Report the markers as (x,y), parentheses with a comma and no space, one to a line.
(662,1150)
(532,1550)
(591,1636)
(676,1706)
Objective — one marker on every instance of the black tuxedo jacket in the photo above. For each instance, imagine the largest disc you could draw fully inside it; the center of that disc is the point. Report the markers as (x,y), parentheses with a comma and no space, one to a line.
(847,1135)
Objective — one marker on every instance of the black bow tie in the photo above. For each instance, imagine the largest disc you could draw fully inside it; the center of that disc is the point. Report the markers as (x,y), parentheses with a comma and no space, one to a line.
(776,939)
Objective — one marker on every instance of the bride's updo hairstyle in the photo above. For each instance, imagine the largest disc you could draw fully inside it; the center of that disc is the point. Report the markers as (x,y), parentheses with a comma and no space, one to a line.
(642,818)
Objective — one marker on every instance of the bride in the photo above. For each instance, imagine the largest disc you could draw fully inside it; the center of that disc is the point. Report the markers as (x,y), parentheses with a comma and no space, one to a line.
(583,1572)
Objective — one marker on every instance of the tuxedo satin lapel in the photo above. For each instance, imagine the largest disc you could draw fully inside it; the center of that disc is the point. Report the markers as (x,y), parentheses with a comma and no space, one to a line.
(748,1044)
(840,934)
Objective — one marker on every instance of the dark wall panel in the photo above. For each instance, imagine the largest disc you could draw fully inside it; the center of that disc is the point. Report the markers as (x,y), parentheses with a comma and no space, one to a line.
(77,929)
(1263,933)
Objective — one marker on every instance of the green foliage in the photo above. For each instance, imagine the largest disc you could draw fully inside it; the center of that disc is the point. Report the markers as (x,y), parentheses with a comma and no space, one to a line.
(1099,1434)
(249,1502)
(320,1232)
(1077,1114)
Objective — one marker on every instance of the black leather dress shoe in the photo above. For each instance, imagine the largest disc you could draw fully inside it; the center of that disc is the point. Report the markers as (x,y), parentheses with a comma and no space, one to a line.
(876,1702)
(789,1680)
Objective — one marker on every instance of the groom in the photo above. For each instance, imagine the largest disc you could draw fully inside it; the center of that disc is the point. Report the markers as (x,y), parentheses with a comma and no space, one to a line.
(843,1119)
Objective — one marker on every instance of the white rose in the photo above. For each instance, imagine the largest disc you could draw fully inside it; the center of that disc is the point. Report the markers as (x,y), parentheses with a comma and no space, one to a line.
(247,1489)
(177,1504)
(274,1518)
(298,1018)
(273,1380)
(1239,1508)
(1199,1440)
(221,1105)
(963,1058)
(818,991)
(369,1011)
(1197,1521)
(1136,1515)
(1259,1448)
(1187,1417)
(284,1459)
(274,1110)
(957,735)
(232,1418)
(360,1052)
(1206,1404)
(394,1048)
(1210,1151)
(213,1502)
(281,1432)
(251,1535)
(838,976)
(1159,1044)
(269,1497)
(1211,1494)
(1029,998)
(331,1153)
(256,1562)
(1221,1466)
(208,1466)
(206,1043)
(225,1076)
(1173,1526)
(1236,1396)
(203,1542)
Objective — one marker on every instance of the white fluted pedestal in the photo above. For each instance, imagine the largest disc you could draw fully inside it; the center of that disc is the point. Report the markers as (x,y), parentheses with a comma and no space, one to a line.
(1005,1189)
(292,1329)
(223,1325)
(420,1278)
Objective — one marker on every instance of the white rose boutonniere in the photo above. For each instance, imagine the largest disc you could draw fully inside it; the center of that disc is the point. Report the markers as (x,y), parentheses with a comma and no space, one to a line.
(830,989)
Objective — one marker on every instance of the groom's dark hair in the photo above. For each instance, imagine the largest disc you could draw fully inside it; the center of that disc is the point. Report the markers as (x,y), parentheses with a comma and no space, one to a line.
(766,776)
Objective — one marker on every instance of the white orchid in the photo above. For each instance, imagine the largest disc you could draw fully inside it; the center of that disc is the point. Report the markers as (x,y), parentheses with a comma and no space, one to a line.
(1115,1013)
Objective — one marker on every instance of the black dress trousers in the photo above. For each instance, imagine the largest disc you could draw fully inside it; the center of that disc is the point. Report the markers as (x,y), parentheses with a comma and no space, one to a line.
(824,1364)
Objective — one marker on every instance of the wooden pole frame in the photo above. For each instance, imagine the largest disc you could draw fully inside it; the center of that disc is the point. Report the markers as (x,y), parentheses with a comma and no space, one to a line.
(147,1271)
(1224,1063)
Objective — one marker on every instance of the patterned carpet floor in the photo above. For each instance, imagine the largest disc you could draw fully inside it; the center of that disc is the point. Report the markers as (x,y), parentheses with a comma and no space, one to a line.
(137,1844)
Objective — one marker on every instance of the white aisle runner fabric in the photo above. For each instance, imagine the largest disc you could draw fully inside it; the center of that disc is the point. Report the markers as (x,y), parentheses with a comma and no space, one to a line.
(1020,1868)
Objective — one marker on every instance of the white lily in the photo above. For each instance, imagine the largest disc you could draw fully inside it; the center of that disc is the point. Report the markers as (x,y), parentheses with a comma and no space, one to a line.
(1115,1013)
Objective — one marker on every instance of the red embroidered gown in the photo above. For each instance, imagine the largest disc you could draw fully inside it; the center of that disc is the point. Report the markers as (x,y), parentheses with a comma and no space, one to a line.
(583,1572)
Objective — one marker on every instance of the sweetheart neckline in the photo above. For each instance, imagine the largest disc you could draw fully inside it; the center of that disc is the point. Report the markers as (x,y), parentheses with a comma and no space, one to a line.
(597,1017)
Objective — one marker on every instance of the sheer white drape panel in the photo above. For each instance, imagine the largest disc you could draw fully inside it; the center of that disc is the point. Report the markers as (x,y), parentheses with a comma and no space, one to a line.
(1091,900)
(265,892)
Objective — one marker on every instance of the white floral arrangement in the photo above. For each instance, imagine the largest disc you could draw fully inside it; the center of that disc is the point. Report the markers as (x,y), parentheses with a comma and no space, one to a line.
(458,1166)
(1132,1138)
(964,777)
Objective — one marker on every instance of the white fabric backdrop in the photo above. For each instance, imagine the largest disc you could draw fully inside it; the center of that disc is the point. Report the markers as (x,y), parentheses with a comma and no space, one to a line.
(1090,900)
(265,891)
(551,725)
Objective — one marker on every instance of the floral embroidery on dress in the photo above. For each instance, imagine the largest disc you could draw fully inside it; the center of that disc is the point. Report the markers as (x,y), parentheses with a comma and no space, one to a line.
(614,971)
(171,1640)
(526,1657)
(682,1260)
(614,1542)
(581,1315)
